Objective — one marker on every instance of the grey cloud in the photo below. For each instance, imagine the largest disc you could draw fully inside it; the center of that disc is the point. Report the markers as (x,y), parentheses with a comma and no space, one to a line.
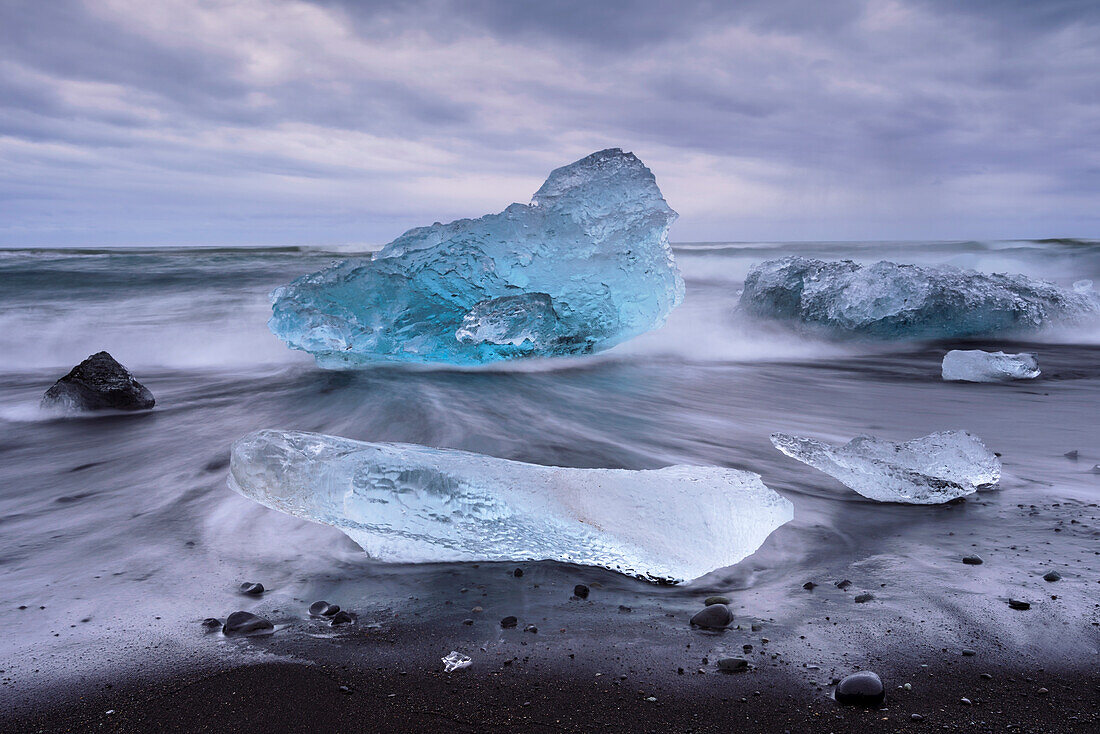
(840,95)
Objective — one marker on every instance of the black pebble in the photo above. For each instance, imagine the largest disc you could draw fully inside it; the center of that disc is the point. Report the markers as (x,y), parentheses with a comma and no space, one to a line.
(252,589)
(509,622)
(518,572)
(1071,455)
(968,652)
(531,628)
(733,665)
(716,616)
(342,617)
(973,560)
(211,623)
(861,689)
(1017,604)
(1052,576)
(809,586)
(864,598)
(624,609)
(323,609)
(843,584)
(580,591)
(467,622)
(246,624)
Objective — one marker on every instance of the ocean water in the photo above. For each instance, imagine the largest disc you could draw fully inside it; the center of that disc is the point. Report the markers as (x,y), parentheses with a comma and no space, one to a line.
(122,528)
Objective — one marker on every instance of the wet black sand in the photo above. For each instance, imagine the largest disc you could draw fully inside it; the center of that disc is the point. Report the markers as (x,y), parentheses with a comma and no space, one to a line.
(340,690)
(595,664)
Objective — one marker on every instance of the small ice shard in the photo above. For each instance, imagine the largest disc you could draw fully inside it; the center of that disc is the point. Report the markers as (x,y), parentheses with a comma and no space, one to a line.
(584,266)
(890,301)
(407,503)
(456,661)
(974,365)
(929,470)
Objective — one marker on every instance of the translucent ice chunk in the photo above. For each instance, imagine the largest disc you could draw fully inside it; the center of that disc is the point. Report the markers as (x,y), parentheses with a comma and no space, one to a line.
(892,301)
(974,365)
(935,468)
(585,266)
(456,661)
(415,504)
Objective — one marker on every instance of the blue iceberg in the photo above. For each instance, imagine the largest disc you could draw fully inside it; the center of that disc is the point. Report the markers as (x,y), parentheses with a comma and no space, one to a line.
(891,301)
(411,504)
(586,265)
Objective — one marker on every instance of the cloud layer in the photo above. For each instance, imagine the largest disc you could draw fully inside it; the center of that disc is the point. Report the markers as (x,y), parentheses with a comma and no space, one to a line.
(326,122)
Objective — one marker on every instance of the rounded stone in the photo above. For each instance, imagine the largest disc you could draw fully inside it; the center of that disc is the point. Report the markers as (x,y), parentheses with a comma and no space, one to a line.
(211,623)
(861,689)
(509,622)
(973,560)
(732,665)
(342,617)
(252,589)
(246,624)
(1052,576)
(716,600)
(580,591)
(323,609)
(716,616)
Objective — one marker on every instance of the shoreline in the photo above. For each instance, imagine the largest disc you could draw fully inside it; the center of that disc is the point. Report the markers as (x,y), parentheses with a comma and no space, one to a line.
(333,693)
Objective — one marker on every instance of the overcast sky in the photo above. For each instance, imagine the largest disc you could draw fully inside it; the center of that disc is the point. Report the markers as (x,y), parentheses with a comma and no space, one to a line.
(200,122)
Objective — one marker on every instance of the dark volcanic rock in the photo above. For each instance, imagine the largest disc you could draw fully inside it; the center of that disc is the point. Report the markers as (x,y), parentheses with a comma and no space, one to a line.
(809,586)
(509,622)
(246,624)
(342,617)
(733,665)
(973,560)
(716,600)
(580,591)
(843,584)
(211,623)
(714,617)
(1017,604)
(98,383)
(861,689)
(862,598)
(1052,576)
(252,589)
(323,609)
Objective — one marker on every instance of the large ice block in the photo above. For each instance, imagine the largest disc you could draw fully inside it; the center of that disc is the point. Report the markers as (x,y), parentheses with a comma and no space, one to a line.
(974,365)
(584,266)
(929,470)
(411,503)
(891,301)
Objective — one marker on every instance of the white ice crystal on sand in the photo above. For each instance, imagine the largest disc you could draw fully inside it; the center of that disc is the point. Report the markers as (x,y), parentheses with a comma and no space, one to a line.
(409,503)
(932,469)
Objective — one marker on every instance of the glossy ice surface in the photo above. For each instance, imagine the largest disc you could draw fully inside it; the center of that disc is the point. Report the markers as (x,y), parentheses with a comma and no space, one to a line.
(409,503)
(929,470)
(892,301)
(584,266)
(974,365)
